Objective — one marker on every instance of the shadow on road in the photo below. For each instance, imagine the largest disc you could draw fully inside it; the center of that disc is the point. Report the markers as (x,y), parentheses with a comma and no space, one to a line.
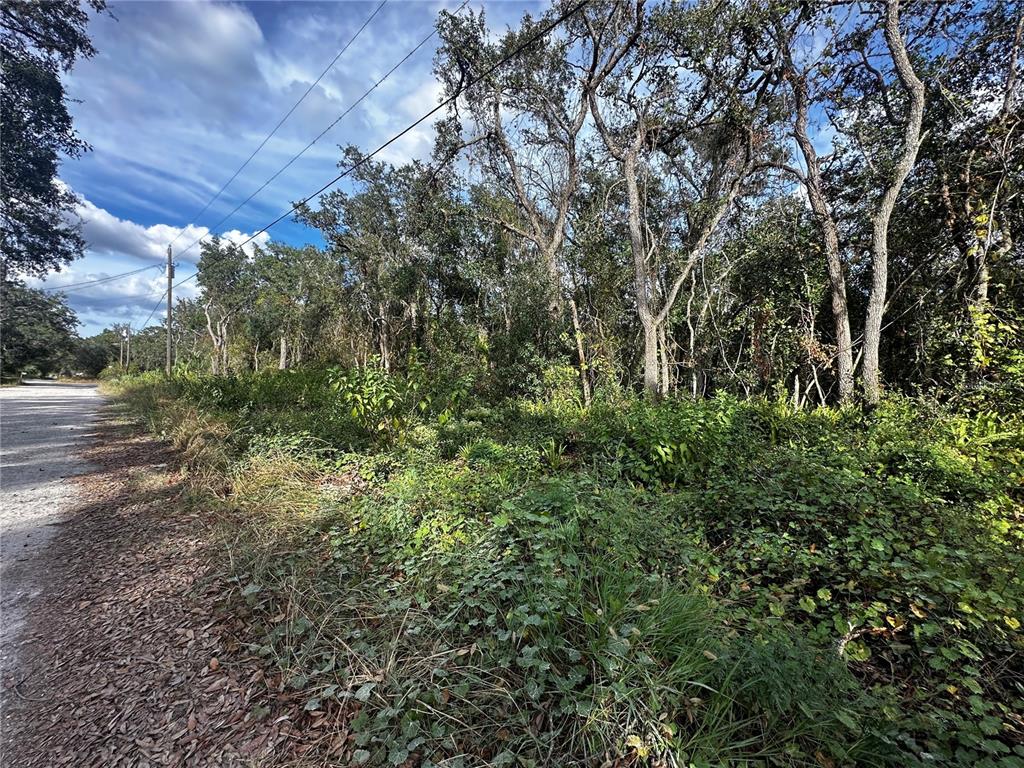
(61,384)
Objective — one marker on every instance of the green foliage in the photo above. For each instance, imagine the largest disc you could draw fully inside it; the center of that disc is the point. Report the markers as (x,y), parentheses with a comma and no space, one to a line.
(38,330)
(693,582)
(92,355)
(39,43)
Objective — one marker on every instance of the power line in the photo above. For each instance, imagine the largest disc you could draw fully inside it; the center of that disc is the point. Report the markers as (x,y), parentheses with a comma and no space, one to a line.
(153,312)
(101,279)
(320,135)
(249,159)
(281,121)
(446,102)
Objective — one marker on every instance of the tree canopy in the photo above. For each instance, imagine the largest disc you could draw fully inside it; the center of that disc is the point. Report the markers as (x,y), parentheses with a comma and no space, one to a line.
(39,42)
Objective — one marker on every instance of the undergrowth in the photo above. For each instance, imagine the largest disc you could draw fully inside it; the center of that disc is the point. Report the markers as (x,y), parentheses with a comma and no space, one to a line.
(686,583)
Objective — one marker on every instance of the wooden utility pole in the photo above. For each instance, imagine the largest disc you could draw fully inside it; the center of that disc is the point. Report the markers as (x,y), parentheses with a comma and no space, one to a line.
(170,288)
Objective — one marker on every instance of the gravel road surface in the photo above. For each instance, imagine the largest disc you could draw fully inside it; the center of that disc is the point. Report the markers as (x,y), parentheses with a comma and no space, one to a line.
(43,428)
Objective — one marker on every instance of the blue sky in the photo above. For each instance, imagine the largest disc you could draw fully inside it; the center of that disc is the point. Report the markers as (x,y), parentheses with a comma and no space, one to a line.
(180,93)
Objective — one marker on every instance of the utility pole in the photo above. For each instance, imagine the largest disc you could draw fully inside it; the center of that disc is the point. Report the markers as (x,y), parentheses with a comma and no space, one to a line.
(170,288)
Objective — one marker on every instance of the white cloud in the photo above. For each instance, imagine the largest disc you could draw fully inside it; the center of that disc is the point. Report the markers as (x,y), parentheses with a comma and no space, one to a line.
(236,237)
(206,82)
(114,246)
(415,145)
(106,234)
(422,100)
(180,93)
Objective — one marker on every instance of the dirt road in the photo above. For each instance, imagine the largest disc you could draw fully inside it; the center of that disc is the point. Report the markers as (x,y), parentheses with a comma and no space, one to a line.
(44,427)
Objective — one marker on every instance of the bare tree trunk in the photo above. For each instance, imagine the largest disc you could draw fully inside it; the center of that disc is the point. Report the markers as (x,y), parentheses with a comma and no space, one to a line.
(385,358)
(663,343)
(812,182)
(641,278)
(282,362)
(214,340)
(880,222)
(550,253)
(581,352)
(651,368)
(692,334)
(718,198)
(223,330)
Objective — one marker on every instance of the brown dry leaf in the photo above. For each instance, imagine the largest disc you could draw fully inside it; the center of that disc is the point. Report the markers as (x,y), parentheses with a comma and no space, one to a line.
(124,641)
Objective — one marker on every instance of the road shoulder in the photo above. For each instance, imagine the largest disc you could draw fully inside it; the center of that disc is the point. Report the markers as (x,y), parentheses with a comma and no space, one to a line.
(130,659)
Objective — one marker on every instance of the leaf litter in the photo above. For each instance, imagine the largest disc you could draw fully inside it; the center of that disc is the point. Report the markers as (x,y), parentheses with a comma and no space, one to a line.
(130,659)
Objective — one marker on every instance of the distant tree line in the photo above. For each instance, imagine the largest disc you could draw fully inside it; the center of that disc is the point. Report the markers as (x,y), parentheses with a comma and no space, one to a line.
(40,338)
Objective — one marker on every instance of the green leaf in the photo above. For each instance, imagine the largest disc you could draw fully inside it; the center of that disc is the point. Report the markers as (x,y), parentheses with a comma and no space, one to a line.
(857,651)
(846,720)
(363,694)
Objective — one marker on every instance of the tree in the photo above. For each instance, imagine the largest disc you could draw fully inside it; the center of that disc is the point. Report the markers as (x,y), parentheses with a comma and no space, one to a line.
(38,329)
(93,354)
(527,117)
(39,42)
(969,172)
(696,196)
(189,332)
(903,163)
(863,84)
(227,279)
(811,177)
(670,119)
(287,279)
(376,235)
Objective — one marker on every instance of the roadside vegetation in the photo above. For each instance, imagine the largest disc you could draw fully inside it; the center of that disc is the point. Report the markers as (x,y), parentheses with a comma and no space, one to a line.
(667,411)
(670,415)
(534,582)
